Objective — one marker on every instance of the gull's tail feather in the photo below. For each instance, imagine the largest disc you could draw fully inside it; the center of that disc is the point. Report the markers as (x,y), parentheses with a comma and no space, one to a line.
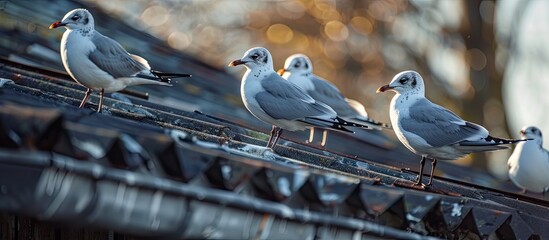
(326,124)
(337,123)
(167,77)
(480,148)
(373,124)
(338,127)
(504,141)
(346,123)
(491,141)
(142,80)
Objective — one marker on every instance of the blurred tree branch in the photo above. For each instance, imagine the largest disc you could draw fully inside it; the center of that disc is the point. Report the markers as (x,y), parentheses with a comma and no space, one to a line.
(487,82)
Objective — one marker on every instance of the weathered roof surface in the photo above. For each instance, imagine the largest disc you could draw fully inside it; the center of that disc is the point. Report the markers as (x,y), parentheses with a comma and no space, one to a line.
(155,168)
(140,168)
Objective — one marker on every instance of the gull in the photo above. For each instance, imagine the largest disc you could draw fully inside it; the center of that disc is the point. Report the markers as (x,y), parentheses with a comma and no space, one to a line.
(298,69)
(99,62)
(529,163)
(430,130)
(281,103)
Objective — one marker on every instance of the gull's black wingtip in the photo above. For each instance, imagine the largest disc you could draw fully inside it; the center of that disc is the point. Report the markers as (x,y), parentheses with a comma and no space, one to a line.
(343,122)
(503,140)
(337,126)
(180,75)
(380,124)
(170,75)
(341,128)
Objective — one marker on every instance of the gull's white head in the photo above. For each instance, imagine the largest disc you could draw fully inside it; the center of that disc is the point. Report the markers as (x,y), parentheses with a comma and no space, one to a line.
(533,133)
(76,19)
(297,64)
(255,58)
(407,82)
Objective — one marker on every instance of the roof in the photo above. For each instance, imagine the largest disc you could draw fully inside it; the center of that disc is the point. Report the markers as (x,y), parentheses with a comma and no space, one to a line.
(78,164)
(147,166)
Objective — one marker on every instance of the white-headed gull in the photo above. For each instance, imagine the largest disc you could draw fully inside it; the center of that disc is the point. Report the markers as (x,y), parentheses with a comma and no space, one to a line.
(272,99)
(430,130)
(298,69)
(99,62)
(529,163)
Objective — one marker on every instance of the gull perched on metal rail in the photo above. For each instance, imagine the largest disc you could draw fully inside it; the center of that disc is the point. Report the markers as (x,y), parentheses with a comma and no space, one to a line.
(272,99)
(298,69)
(529,163)
(99,62)
(430,130)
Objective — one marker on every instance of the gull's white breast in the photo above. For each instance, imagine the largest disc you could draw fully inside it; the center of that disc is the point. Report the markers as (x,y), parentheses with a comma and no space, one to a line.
(75,49)
(529,167)
(249,89)
(400,111)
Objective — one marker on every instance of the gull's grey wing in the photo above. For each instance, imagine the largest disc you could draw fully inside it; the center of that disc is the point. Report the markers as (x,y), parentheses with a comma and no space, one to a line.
(112,58)
(328,93)
(439,126)
(284,100)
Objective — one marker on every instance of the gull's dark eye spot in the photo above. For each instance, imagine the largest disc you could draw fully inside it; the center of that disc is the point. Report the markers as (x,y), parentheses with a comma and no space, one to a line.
(75,17)
(297,64)
(403,80)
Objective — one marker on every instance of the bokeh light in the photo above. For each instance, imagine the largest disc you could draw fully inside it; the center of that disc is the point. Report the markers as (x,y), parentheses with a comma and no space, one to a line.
(179,40)
(155,16)
(279,33)
(476,59)
(362,25)
(336,31)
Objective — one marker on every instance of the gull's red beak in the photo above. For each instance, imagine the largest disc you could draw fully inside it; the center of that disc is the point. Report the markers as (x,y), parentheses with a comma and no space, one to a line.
(236,63)
(522,132)
(281,71)
(57,24)
(384,88)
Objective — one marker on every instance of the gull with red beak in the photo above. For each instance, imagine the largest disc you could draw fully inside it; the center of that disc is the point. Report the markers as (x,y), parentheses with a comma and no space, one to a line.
(430,130)
(99,62)
(529,163)
(298,69)
(281,103)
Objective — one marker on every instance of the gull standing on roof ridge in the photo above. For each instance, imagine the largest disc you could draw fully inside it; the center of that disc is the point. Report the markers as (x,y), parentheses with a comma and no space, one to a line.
(529,163)
(298,69)
(99,62)
(281,103)
(430,130)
